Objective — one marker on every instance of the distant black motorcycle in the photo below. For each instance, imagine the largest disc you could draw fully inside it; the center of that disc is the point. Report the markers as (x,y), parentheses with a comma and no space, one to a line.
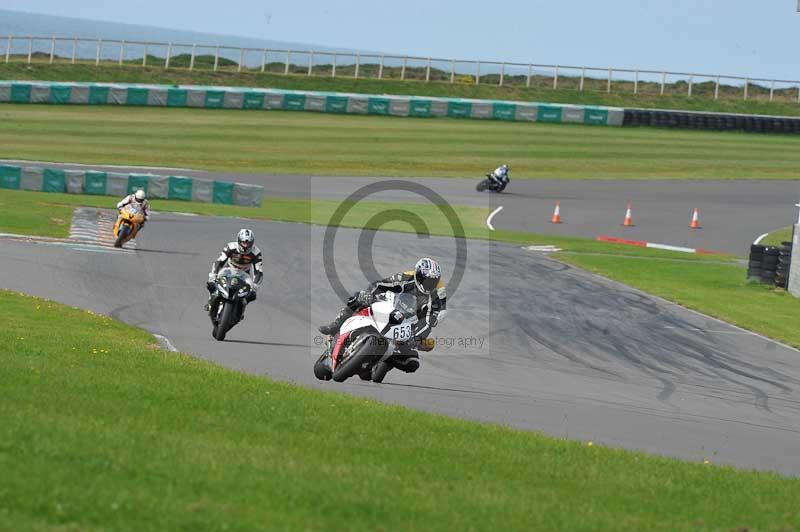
(233,287)
(492,185)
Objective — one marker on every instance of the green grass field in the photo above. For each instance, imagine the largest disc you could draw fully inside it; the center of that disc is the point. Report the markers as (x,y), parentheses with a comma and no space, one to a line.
(283,142)
(776,238)
(675,97)
(100,430)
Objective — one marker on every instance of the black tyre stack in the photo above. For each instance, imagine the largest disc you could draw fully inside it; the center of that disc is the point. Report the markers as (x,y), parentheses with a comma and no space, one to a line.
(754,264)
(784,259)
(769,264)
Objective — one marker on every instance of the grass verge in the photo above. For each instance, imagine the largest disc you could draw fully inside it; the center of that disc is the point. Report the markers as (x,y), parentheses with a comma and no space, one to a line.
(284,142)
(101,430)
(675,98)
(775,238)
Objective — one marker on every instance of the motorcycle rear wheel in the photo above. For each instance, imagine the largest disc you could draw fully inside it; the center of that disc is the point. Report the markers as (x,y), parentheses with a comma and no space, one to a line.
(483,185)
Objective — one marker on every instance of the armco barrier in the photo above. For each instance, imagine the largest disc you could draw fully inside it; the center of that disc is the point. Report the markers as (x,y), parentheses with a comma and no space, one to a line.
(711,121)
(325,102)
(119,184)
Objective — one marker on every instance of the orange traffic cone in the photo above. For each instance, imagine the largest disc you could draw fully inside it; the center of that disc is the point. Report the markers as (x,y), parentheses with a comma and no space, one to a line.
(556,219)
(695,219)
(628,217)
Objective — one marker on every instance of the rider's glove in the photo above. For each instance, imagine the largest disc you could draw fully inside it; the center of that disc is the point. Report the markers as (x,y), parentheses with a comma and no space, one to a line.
(212,277)
(365,299)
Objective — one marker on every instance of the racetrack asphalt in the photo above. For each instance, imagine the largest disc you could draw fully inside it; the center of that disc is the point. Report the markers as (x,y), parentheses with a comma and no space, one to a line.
(732,213)
(528,342)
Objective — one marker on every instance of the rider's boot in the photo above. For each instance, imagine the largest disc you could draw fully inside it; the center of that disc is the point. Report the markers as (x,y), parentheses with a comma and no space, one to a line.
(337,322)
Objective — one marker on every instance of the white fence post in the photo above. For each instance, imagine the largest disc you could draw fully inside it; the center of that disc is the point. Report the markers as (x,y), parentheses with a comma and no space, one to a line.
(746,83)
(798,93)
(8,48)
(52,49)
(452,71)
(288,60)
(144,56)
(358,64)
(530,73)
(380,68)
(30,49)
(691,82)
(241,59)
(264,60)
(502,74)
(663,82)
(428,70)
(121,52)
(310,62)
(478,73)
(333,66)
(610,73)
(402,69)
(771,89)
(716,89)
(583,78)
(97,55)
(216,59)
(74,48)
(636,82)
(555,79)
(169,53)
(191,58)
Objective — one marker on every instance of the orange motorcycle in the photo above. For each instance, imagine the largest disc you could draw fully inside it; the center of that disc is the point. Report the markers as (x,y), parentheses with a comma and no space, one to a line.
(128,223)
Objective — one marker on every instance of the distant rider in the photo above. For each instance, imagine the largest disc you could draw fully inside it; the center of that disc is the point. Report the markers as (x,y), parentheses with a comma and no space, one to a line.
(425,283)
(137,198)
(243,255)
(500,177)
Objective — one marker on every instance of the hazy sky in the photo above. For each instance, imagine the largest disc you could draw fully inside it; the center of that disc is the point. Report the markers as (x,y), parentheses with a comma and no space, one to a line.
(748,37)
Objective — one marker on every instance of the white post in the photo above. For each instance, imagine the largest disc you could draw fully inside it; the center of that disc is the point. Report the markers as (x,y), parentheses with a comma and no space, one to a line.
(310,62)
(798,93)
(583,78)
(121,52)
(216,58)
(691,82)
(663,82)
(169,53)
(358,64)
(610,73)
(428,71)
(530,73)
(771,89)
(555,79)
(333,66)
(241,59)
(452,71)
(264,60)
(288,60)
(74,48)
(8,48)
(502,73)
(191,57)
(30,49)
(380,68)
(97,54)
(746,83)
(478,73)
(636,82)
(716,89)
(144,57)
(403,68)
(52,49)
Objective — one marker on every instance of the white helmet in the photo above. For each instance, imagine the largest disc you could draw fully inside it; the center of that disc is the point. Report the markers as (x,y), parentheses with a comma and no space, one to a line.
(427,274)
(139,195)
(245,240)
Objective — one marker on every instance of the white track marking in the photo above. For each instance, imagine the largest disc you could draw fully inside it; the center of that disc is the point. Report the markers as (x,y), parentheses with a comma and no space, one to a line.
(96,226)
(762,237)
(492,215)
(671,248)
(166,343)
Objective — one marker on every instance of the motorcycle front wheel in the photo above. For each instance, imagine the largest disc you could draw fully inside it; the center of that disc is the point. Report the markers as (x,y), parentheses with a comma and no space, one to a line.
(368,346)
(225,322)
(122,232)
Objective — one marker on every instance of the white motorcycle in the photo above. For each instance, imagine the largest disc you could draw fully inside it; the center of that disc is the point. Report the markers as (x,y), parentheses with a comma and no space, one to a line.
(371,336)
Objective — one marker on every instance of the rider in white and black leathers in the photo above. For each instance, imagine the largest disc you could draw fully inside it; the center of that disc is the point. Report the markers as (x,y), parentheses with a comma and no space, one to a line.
(500,177)
(243,255)
(425,283)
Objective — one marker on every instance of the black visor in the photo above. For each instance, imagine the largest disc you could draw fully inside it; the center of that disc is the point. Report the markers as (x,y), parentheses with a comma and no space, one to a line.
(428,284)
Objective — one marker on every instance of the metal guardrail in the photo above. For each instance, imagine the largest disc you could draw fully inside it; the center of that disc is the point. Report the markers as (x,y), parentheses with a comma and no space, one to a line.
(194,56)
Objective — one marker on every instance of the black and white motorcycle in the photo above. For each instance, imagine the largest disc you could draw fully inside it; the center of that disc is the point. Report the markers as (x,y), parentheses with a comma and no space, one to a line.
(368,339)
(233,286)
(493,184)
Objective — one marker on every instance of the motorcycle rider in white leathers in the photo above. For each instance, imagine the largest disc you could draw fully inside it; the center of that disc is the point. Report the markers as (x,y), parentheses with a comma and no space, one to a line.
(243,255)
(137,198)
(500,177)
(425,283)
